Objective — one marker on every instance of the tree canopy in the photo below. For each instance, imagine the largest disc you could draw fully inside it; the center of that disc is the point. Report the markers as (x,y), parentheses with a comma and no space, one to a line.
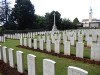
(23,14)
(75,21)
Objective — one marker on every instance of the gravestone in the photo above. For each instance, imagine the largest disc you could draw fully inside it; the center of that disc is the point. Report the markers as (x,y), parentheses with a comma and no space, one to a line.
(94,37)
(35,43)
(43,37)
(41,44)
(76,71)
(80,38)
(79,49)
(0,38)
(59,37)
(53,40)
(95,52)
(29,42)
(21,41)
(5,54)
(89,41)
(19,55)
(48,38)
(48,45)
(31,59)
(48,67)
(72,41)
(11,57)
(66,48)
(57,46)
(39,37)
(1,57)
(25,42)
(98,39)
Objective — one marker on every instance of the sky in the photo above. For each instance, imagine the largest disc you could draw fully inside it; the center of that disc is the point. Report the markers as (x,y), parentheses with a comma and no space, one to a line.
(68,8)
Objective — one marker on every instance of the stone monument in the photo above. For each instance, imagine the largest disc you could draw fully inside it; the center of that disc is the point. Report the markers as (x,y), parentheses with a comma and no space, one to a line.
(54,26)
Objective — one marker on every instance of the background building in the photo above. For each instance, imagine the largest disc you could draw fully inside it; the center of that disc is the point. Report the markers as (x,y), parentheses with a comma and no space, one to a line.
(91,22)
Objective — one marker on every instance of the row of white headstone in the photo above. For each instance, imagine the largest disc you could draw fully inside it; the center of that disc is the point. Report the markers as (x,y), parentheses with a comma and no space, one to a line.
(95,52)
(49,66)
(66,37)
(13,36)
(2,38)
(90,35)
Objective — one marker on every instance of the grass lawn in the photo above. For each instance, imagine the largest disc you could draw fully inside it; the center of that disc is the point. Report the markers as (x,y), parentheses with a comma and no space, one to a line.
(61,63)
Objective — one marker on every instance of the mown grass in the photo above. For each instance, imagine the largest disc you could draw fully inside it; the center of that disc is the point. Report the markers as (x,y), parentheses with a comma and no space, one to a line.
(61,63)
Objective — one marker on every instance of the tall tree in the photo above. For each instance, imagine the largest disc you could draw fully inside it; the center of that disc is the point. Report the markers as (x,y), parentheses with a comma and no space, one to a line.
(40,22)
(47,20)
(75,21)
(5,11)
(67,24)
(24,14)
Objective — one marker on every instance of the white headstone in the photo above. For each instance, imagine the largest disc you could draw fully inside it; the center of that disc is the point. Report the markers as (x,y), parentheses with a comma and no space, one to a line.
(35,43)
(48,38)
(1,57)
(43,37)
(64,38)
(66,48)
(89,41)
(80,38)
(48,67)
(25,41)
(59,37)
(11,57)
(79,49)
(76,71)
(5,54)
(29,42)
(4,39)
(95,52)
(19,55)
(98,40)
(72,41)
(48,45)
(21,41)
(94,37)
(53,40)
(41,44)
(0,38)
(57,46)
(31,59)
(39,37)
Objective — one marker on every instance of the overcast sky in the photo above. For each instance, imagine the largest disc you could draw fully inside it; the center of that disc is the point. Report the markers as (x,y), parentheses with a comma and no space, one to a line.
(68,8)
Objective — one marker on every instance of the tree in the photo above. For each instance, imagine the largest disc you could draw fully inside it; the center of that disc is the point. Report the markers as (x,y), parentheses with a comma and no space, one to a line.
(5,11)
(67,24)
(47,21)
(12,24)
(23,14)
(40,22)
(75,21)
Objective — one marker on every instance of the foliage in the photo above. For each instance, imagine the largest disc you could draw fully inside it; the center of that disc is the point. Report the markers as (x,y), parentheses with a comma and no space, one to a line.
(23,14)
(40,22)
(1,30)
(75,21)
(5,11)
(67,24)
